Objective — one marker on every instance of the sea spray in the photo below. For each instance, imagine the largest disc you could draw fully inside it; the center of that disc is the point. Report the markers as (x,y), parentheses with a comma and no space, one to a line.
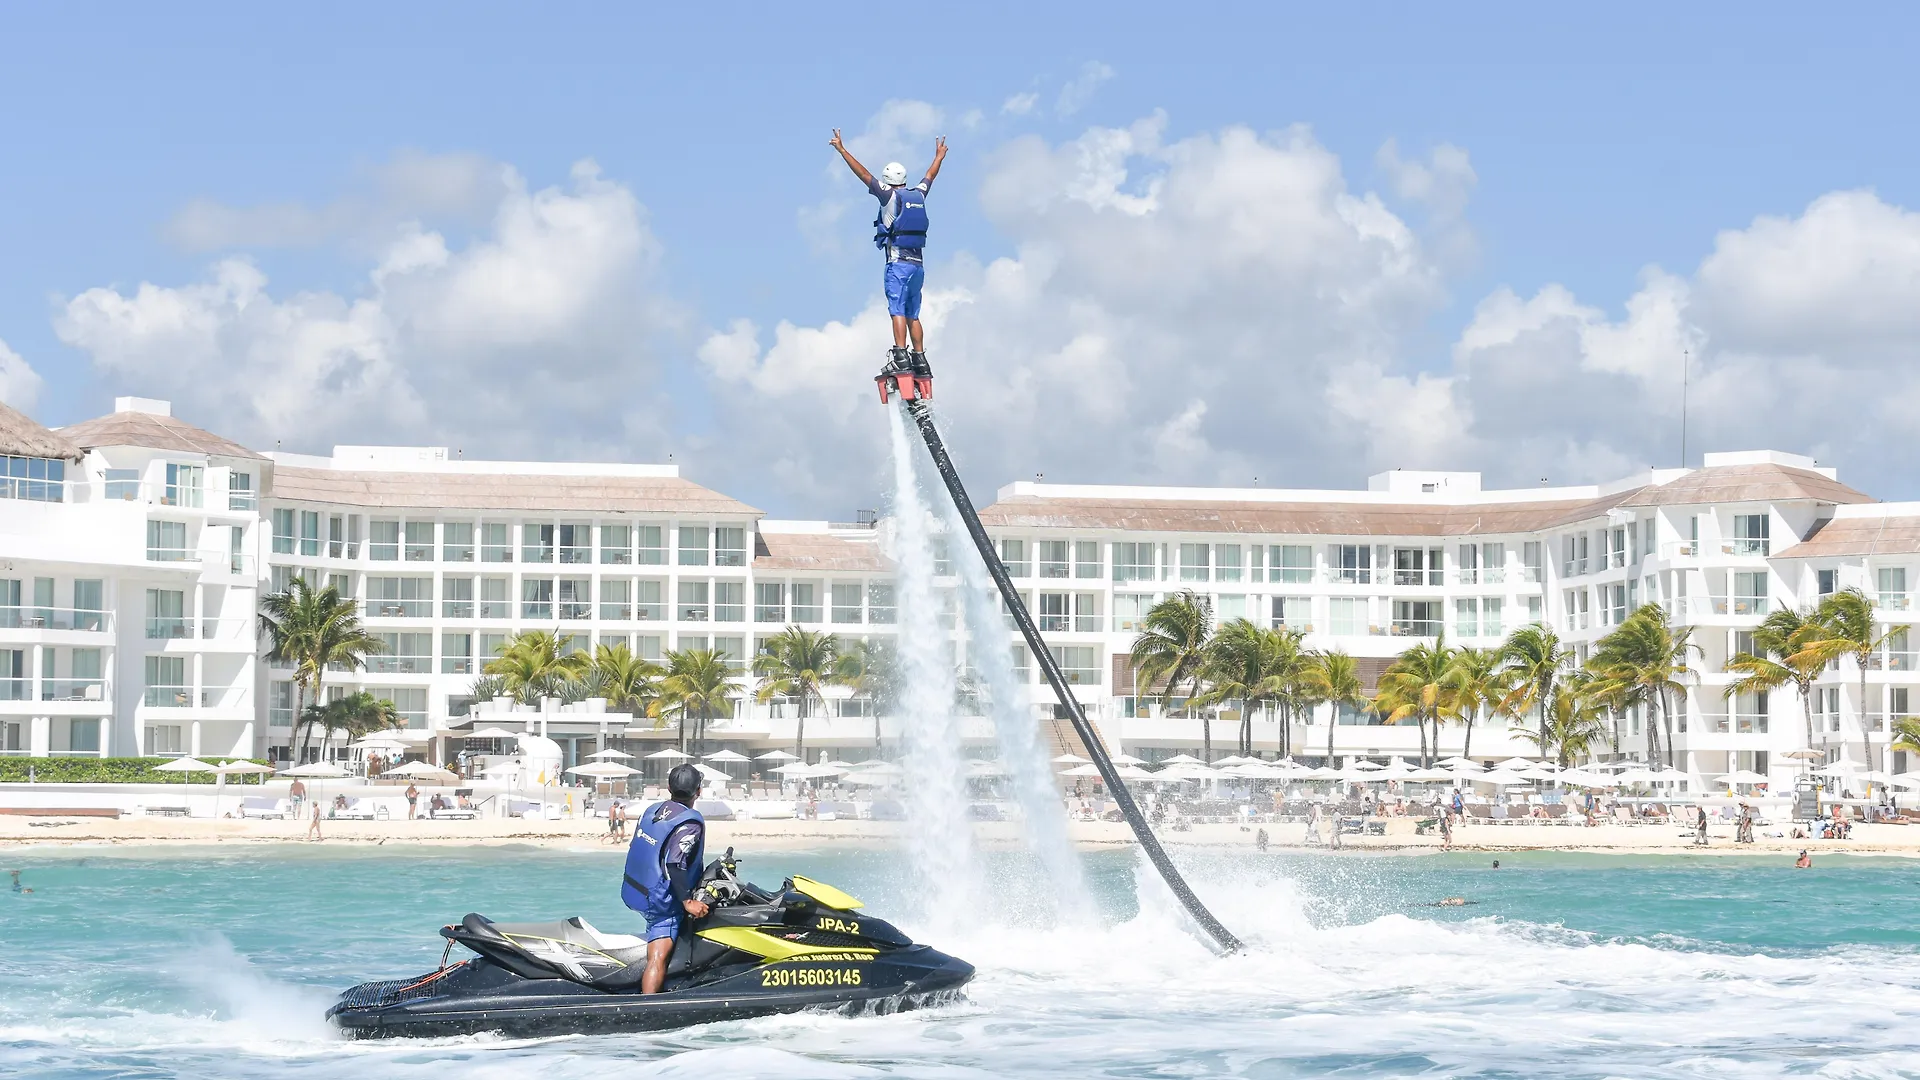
(940,838)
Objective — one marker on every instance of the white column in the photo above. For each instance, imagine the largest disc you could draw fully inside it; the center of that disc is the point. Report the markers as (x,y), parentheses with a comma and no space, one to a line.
(246,740)
(39,736)
(36,672)
(193,747)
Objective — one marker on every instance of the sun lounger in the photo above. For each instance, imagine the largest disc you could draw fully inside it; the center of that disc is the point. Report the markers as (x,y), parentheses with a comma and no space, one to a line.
(459,813)
(357,810)
(259,807)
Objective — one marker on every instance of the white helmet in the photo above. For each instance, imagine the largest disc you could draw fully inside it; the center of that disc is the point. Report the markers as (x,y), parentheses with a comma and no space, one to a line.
(894,174)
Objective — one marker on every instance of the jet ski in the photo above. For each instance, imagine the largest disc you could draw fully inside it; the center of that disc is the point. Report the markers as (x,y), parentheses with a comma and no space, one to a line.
(804,946)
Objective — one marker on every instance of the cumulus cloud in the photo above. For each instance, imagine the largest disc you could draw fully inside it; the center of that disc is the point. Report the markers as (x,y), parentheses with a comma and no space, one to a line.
(19,383)
(529,339)
(1080,89)
(1020,104)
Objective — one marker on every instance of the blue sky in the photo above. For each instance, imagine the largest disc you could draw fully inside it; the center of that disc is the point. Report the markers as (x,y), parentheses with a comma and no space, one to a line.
(1602,142)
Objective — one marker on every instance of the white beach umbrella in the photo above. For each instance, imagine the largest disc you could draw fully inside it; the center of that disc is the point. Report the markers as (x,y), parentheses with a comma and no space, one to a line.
(728,756)
(843,766)
(1502,778)
(669,754)
(604,770)
(1428,776)
(241,768)
(1134,772)
(1637,776)
(494,733)
(775,755)
(1394,771)
(1323,773)
(184,765)
(420,770)
(880,768)
(610,755)
(1231,760)
(712,773)
(1585,779)
(1088,769)
(1363,765)
(316,770)
(1905,780)
(1743,776)
(1456,762)
(1069,759)
(1125,759)
(1517,763)
(1804,755)
(1180,759)
(797,768)
(1251,771)
(868,779)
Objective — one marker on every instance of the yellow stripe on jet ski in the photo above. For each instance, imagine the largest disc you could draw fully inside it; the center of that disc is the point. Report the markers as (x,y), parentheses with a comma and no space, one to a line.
(768,947)
(825,894)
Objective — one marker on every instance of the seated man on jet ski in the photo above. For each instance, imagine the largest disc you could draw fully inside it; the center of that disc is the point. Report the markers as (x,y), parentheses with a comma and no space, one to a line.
(663,867)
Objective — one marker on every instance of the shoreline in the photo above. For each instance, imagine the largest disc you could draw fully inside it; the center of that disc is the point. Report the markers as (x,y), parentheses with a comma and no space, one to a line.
(138,835)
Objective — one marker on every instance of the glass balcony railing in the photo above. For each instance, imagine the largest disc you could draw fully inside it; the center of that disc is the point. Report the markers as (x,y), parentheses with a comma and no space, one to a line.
(12,618)
(1749,545)
(16,689)
(73,690)
(172,554)
(168,628)
(169,697)
(242,500)
(400,609)
(1896,601)
(387,664)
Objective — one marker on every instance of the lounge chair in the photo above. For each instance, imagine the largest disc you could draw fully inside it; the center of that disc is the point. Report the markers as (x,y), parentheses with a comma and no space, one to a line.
(357,810)
(262,808)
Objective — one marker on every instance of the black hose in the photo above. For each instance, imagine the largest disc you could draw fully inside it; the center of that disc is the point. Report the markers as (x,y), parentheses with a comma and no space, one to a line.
(923,417)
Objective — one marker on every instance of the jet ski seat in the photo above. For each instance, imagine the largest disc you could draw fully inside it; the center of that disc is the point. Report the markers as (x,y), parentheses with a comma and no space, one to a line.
(626,948)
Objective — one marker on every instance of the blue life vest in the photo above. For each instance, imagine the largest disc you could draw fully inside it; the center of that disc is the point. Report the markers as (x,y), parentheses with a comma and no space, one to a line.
(645,885)
(909,228)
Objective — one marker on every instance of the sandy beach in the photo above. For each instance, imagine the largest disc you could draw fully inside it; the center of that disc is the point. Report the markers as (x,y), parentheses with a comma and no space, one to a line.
(135,834)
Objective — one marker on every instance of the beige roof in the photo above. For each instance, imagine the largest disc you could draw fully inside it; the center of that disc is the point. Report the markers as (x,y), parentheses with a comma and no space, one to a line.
(1748,483)
(154,432)
(489,491)
(1859,536)
(1292,519)
(817,551)
(21,436)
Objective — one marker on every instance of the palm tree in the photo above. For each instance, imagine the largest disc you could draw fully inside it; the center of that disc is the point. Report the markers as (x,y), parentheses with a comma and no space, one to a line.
(628,682)
(313,630)
(1480,682)
(1333,678)
(1848,616)
(1418,686)
(534,664)
(871,668)
(1535,655)
(1172,646)
(1643,661)
(797,663)
(1254,666)
(697,686)
(1906,735)
(1790,647)
(1576,719)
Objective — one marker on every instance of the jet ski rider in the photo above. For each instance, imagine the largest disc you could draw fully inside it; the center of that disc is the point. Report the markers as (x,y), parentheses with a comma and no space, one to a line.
(663,867)
(900,231)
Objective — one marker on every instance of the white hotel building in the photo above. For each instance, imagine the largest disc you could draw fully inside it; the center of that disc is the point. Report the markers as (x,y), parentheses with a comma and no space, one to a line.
(134,549)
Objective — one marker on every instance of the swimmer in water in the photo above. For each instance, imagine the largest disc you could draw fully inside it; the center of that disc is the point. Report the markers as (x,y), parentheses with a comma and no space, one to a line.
(1496,864)
(17,887)
(1453,901)
(1804,862)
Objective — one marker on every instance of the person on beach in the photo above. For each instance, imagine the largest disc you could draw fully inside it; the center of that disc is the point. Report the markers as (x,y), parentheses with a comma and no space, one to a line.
(297,794)
(900,232)
(1743,833)
(663,868)
(1446,832)
(313,830)
(413,800)
(1700,827)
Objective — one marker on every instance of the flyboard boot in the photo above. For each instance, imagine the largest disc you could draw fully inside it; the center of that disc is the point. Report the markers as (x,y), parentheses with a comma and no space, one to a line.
(898,375)
(923,376)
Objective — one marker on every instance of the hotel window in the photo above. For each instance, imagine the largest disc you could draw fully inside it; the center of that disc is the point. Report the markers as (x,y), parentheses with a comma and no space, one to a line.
(1828,582)
(456,654)
(1417,618)
(456,541)
(456,601)
(1490,612)
(1086,612)
(693,601)
(1086,559)
(1052,558)
(1633,539)
(604,640)
(1616,547)
(805,597)
(1493,563)
(1052,612)
(122,484)
(616,544)
(1079,663)
(183,485)
(337,537)
(89,606)
(729,601)
(1290,564)
(536,598)
(536,543)
(496,544)
(1293,613)
(1466,618)
(240,491)
(576,543)
(651,544)
(846,602)
(1530,561)
(1750,592)
(649,603)
(493,598)
(1226,562)
(1750,534)
(400,597)
(1230,606)
(1350,564)
(1583,599)
(1195,560)
(383,541)
(166,615)
(942,558)
(693,545)
(649,647)
(1533,609)
(40,480)
(733,652)
(1130,611)
(405,654)
(880,603)
(1022,664)
(616,599)
(691,642)
(1892,582)
(1616,596)
(1133,562)
(576,598)
(1013,553)
(1417,566)
(1347,616)
(492,647)
(166,678)
(769,602)
(729,546)
(409,701)
(167,541)
(309,532)
(280,703)
(1466,564)
(283,532)
(419,541)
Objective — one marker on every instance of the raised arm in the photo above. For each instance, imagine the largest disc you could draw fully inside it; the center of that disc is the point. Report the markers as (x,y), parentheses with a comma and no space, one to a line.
(853,163)
(939,155)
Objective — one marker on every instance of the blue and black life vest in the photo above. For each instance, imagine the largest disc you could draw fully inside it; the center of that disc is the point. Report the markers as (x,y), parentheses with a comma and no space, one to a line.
(909,228)
(645,885)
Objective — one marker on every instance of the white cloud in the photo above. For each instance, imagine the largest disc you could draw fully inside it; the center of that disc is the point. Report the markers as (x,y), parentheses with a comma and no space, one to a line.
(534,338)
(1020,104)
(1080,89)
(19,383)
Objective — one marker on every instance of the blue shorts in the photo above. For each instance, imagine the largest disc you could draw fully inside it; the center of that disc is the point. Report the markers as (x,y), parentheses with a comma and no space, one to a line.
(903,287)
(664,927)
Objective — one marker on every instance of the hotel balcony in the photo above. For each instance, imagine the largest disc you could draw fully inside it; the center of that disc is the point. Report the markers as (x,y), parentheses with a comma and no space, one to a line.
(60,697)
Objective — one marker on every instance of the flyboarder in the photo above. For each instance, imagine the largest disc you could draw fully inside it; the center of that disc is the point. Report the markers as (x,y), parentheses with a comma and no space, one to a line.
(900,232)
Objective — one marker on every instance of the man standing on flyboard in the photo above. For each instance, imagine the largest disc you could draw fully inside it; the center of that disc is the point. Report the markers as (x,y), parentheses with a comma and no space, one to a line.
(900,232)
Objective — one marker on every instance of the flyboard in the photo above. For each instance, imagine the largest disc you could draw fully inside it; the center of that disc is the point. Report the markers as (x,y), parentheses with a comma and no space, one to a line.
(915,389)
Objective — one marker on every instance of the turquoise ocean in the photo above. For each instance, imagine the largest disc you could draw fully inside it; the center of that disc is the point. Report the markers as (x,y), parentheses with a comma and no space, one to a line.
(218,962)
